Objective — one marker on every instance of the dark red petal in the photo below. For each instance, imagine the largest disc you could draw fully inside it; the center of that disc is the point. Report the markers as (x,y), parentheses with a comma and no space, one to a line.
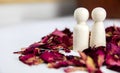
(58,64)
(44,39)
(98,71)
(58,33)
(112,60)
(116,40)
(74,61)
(49,56)
(67,32)
(31,49)
(115,68)
(25,58)
(98,54)
(113,49)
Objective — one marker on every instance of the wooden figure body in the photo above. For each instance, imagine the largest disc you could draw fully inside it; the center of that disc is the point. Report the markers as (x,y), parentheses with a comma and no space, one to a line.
(81,30)
(97,37)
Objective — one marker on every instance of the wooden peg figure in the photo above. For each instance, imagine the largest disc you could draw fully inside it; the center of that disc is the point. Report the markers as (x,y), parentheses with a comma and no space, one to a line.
(97,37)
(81,30)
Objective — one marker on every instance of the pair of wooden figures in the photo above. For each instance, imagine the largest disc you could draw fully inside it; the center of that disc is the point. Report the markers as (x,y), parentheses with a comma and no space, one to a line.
(81,31)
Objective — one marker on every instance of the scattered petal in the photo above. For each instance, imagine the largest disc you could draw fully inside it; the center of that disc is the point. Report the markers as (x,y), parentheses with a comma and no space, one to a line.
(91,59)
(69,70)
(90,65)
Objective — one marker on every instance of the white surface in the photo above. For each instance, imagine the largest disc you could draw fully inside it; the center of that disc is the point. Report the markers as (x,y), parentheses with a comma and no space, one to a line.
(14,37)
(81,29)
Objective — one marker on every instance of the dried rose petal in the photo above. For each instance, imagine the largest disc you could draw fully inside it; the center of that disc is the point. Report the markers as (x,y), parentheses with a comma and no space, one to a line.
(115,68)
(90,65)
(67,41)
(58,64)
(98,71)
(35,51)
(35,45)
(101,59)
(58,56)
(113,55)
(49,56)
(58,33)
(111,31)
(47,50)
(116,40)
(83,57)
(18,52)
(112,60)
(74,61)
(117,30)
(98,55)
(113,49)
(57,43)
(57,40)
(30,59)
(94,58)
(51,42)
(44,39)
(69,70)
(31,49)
(67,32)
(67,61)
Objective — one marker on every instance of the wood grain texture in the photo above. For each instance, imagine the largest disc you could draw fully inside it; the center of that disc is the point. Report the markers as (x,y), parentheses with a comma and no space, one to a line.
(112,6)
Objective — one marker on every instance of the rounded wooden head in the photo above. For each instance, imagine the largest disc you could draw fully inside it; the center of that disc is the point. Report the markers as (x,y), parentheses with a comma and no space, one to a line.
(98,14)
(81,14)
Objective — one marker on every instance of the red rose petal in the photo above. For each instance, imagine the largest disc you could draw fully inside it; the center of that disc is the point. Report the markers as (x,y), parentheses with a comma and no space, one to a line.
(30,59)
(58,33)
(51,56)
(47,50)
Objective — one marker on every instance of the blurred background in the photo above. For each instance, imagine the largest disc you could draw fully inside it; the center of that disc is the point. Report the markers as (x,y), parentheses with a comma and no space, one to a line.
(16,11)
(23,22)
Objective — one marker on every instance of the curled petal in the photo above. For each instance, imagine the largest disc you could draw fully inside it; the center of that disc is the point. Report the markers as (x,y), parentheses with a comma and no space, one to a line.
(69,70)
(58,33)
(51,56)
(90,65)
(67,32)
(58,64)
(83,56)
